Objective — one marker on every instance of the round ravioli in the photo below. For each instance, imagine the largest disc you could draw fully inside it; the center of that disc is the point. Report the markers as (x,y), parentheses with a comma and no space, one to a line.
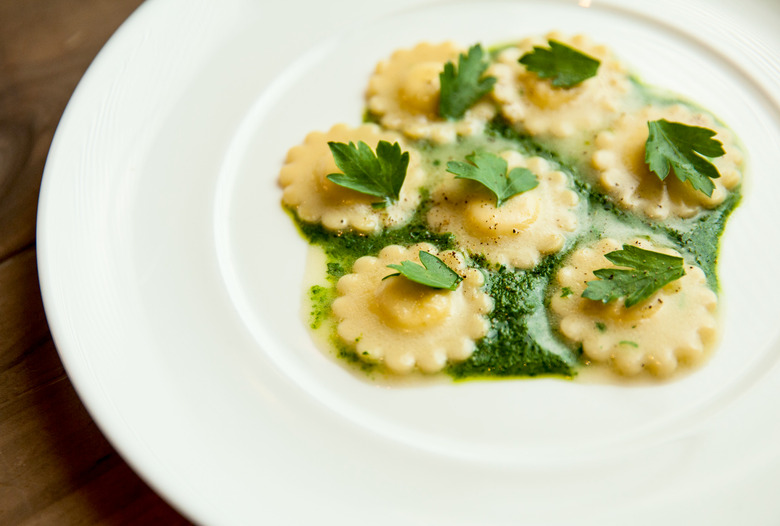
(620,163)
(675,326)
(404,92)
(539,108)
(521,230)
(315,198)
(403,324)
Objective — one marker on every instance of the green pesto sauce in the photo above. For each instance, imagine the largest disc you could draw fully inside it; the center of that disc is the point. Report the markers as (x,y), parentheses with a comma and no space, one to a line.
(521,341)
(320,299)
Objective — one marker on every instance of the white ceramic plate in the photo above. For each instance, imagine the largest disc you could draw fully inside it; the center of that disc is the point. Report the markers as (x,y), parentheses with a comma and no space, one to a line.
(172,283)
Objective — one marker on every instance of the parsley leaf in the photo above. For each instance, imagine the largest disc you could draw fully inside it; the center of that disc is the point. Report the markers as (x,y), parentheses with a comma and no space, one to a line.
(651,271)
(461,89)
(566,66)
(677,146)
(491,171)
(433,272)
(381,174)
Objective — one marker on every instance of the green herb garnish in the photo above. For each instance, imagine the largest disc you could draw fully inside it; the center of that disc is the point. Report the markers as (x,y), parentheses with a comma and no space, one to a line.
(566,66)
(381,174)
(650,271)
(433,272)
(677,146)
(461,89)
(491,171)
(566,292)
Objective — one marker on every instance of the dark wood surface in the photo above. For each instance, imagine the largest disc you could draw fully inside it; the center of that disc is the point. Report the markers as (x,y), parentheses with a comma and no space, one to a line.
(56,468)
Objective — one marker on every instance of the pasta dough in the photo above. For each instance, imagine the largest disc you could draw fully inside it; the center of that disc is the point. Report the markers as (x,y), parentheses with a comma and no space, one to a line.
(539,108)
(676,325)
(404,94)
(620,163)
(316,199)
(519,232)
(404,324)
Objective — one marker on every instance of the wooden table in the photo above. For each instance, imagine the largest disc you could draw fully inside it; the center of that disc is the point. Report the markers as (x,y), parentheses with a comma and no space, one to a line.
(56,468)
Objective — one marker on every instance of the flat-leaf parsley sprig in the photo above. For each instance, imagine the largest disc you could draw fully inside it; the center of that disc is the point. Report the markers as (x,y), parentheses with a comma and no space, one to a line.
(683,149)
(491,171)
(433,272)
(566,66)
(649,272)
(379,174)
(462,88)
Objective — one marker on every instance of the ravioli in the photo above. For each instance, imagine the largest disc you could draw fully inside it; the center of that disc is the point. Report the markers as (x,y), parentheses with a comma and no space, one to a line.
(675,326)
(620,164)
(522,230)
(315,198)
(404,91)
(405,324)
(537,107)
